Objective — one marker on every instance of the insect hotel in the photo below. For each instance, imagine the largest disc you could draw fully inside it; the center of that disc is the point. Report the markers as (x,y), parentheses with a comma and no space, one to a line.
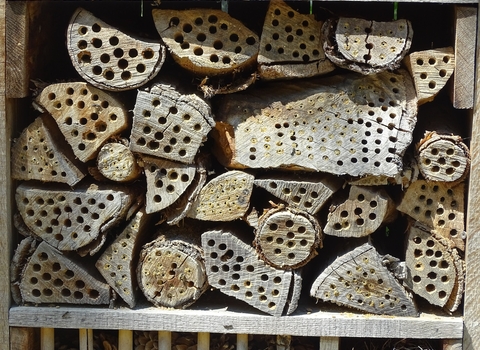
(239,175)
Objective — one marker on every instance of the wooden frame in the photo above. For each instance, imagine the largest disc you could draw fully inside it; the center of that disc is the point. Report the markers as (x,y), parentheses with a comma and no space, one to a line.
(329,326)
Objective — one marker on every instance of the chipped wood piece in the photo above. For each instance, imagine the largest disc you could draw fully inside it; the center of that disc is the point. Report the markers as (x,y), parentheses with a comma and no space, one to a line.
(117,264)
(366,46)
(23,252)
(206,42)
(297,126)
(365,210)
(430,70)
(438,205)
(225,198)
(290,45)
(287,238)
(69,219)
(41,154)
(456,296)
(116,162)
(443,157)
(166,182)
(51,277)
(86,116)
(431,271)
(108,58)
(359,280)
(234,268)
(169,124)
(306,193)
(221,86)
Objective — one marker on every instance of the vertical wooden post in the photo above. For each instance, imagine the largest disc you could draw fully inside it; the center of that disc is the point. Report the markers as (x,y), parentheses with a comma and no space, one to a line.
(329,343)
(47,339)
(85,339)
(164,340)
(125,339)
(203,342)
(242,341)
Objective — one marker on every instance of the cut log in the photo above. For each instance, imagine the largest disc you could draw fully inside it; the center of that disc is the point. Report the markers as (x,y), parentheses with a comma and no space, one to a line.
(225,198)
(206,42)
(40,153)
(358,279)
(365,210)
(439,206)
(86,115)
(116,162)
(234,268)
(443,157)
(308,193)
(22,254)
(356,125)
(290,45)
(453,303)
(71,219)
(166,182)
(108,58)
(170,125)
(430,70)
(366,46)
(51,277)
(118,262)
(287,238)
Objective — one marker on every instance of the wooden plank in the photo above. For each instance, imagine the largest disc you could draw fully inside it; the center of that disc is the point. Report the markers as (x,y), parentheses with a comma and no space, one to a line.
(164,340)
(329,343)
(203,342)
(85,337)
(463,87)
(47,339)
(125,339)
(22,338)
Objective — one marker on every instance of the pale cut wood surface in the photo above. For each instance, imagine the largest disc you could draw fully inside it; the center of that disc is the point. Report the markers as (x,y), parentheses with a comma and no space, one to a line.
(203,341)
(125,339)
(164,340)
(329,343)
(116,162)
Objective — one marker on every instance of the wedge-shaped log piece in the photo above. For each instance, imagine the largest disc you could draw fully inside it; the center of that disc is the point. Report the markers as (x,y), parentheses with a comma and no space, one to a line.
(52,277)
(456,297)
(431,70)
(308,193)
(108,58)
(86,115)
(206,42)
(225,198)
(234,268)
(366,46)
(359,279)
(443,157)
(439,206)
(166,182)
(170,125)
(116,162)
(290,45)
(118,262)
(40,153)
(365,210)
(22,254)
(287,238)
(431,271)
(353,124)
(71,219)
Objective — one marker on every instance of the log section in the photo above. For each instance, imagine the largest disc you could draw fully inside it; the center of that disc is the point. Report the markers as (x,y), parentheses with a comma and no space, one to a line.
(116,162)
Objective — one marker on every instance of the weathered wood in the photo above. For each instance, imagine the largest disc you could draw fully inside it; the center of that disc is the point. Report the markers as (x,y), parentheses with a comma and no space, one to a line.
(86,116)
(22,338)
(108,58)
(40,153)
(366,46)
(356,125)
(22,253)
(290,45)
(430,70)
(116,162)
(287,238)
(359,279)
(225,198)
(329,343)
(205,41)
(118,262)
(85,339)
(365,210)
(456,298)
(439,206)
(169,124)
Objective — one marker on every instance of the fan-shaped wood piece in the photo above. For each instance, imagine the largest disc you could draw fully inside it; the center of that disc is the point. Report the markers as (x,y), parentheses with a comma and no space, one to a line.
(116,162)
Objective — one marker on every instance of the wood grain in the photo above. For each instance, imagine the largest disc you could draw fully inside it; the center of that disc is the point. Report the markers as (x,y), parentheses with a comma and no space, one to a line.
(329,343)
(23,338)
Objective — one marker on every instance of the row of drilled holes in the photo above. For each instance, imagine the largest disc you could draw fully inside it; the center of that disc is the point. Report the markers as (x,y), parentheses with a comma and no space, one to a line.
(173,176)
(442,161)
(296,198)
(357,211)
(50,155)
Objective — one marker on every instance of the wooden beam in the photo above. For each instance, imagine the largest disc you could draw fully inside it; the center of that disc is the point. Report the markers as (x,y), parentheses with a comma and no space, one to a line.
(329,343)
(47,339)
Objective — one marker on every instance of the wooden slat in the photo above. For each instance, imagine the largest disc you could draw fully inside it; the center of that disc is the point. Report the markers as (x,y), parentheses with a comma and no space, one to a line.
(47,339)
(164,340)
(203,342)
(242,341)
(85,339)
(329,343)
(125,339)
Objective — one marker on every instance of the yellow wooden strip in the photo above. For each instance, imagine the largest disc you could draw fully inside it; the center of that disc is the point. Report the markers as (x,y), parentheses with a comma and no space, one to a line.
(164,340)
(242,341)
(47,339)
(125,339)
(203,342)
(85,339)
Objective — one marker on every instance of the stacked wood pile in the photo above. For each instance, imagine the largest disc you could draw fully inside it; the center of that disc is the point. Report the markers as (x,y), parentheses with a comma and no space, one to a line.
(255,186)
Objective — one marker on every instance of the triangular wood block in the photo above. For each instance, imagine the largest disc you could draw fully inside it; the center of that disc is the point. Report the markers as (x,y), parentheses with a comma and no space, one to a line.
(51,277)
(431,70)
(169,124)
(40,153)
(224,198)
(70,219)
(359,280)
(109,59)
(206,41)
(117,263)
(86,115)
(233,267)
(166,182)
